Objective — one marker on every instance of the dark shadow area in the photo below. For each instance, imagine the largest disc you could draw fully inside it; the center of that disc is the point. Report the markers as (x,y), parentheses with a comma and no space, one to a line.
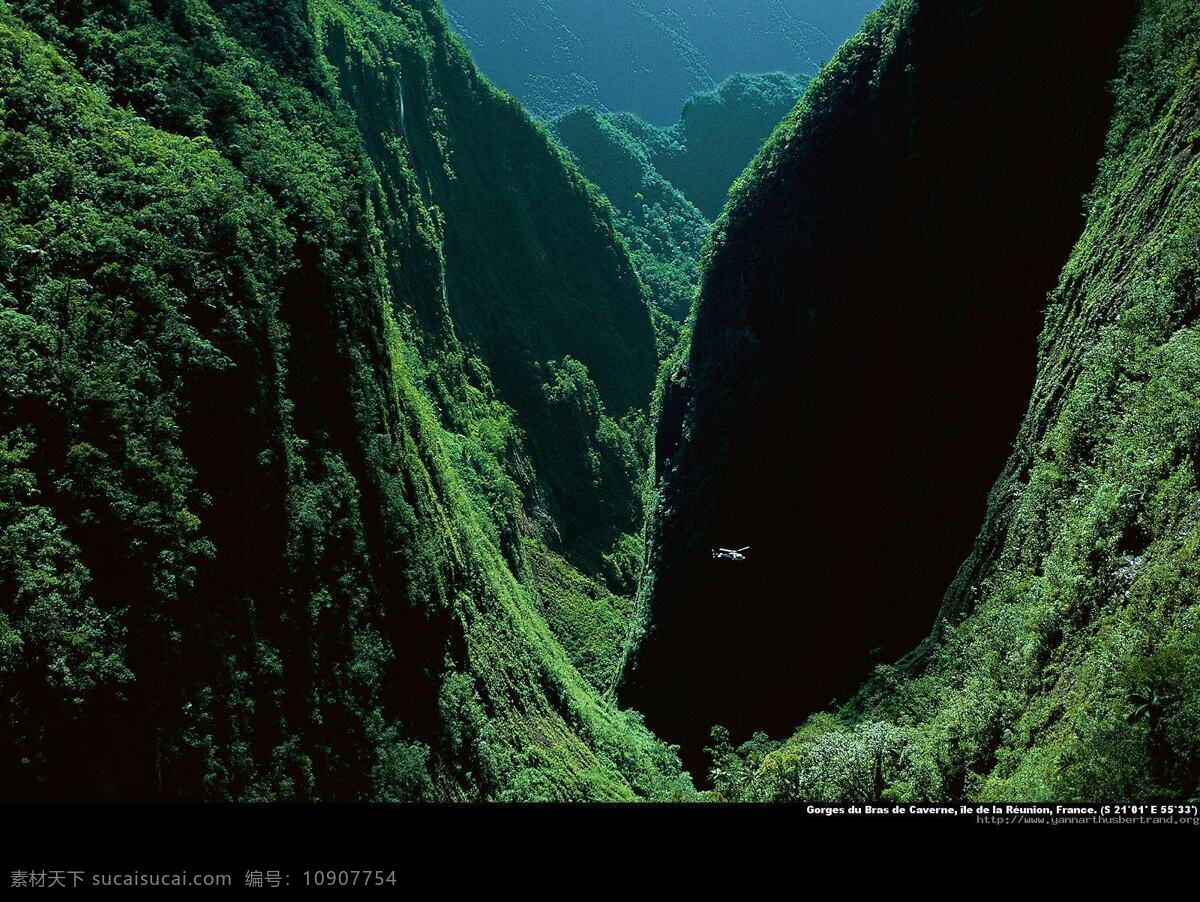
(863,350)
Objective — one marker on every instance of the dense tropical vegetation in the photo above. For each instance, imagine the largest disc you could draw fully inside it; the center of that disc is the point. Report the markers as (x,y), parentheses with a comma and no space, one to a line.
(265,505)
(1065,660)
(666,184)
(363,438)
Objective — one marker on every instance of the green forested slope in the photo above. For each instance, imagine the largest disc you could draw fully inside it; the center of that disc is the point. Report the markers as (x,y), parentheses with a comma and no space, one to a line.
(666,184)
(720,132)
(1065,663)
(523,290)
(1066,660)
(664,229)
(323,427)
(863,347)
(262,515)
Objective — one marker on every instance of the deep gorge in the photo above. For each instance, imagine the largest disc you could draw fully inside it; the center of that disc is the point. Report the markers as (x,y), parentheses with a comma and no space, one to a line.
(364,438)
(863,348)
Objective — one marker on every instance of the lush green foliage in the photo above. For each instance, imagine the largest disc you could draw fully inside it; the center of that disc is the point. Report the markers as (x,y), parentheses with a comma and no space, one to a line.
(719,133)
(659,179)
(522,290)
(262,515)
(589,621)
(1066,661)
(324,441)
(665,232)
(840,408)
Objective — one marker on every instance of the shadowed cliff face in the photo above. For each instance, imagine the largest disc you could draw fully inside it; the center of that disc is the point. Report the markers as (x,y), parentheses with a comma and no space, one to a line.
(521,290)
(863,348)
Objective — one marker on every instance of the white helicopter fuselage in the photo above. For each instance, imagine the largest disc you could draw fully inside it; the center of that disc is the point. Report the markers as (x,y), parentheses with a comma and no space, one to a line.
(730,554)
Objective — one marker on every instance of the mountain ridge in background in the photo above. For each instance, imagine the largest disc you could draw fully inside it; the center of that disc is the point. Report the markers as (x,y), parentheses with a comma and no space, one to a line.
(645,56)
(667,184)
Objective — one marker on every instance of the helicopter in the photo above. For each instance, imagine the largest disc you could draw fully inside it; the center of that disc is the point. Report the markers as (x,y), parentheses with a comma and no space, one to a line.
(730,554)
